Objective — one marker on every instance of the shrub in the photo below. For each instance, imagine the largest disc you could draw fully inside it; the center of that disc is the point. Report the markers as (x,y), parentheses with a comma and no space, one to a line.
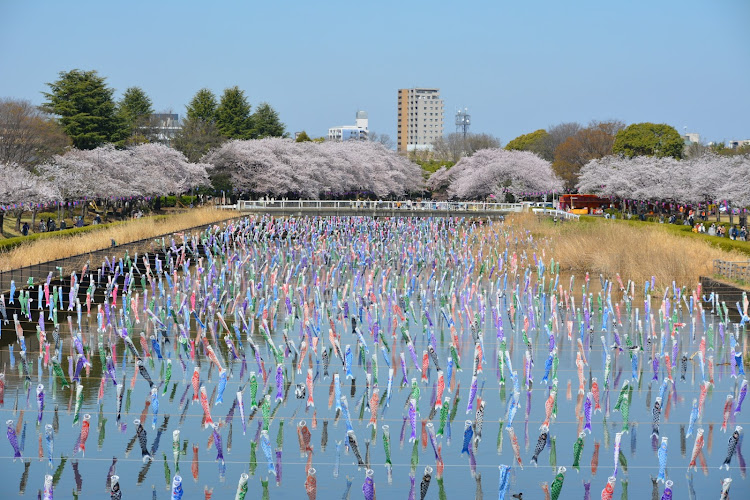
(45,215)
(171,201)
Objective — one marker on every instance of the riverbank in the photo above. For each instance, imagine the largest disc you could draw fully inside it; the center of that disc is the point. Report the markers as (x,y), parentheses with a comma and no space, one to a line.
(635,250)
(59,245)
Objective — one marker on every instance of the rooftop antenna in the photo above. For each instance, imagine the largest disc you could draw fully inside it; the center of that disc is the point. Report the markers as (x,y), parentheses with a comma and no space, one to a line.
(463,120)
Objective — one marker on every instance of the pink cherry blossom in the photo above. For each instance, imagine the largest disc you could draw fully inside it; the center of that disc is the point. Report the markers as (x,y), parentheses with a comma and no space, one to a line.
(494,172)
(703,179)
(311,170)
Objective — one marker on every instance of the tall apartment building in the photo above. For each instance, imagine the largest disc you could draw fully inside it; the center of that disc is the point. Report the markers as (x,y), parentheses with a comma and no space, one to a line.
(420,118)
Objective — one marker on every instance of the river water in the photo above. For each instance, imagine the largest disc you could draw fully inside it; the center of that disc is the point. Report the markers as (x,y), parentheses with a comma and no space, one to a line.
(382,287)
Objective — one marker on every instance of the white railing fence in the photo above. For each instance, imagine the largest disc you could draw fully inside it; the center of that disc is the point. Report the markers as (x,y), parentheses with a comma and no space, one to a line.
(362,206)
(551,212)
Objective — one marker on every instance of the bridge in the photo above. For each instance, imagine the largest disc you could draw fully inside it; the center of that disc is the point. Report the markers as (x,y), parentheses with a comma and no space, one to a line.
(376,208)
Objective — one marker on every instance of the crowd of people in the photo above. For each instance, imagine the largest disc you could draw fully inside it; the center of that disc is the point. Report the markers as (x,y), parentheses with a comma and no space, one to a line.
(734,233)
(49,225)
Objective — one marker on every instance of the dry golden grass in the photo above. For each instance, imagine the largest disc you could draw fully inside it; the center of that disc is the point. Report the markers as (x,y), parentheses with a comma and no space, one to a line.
(635,251)
(137,229)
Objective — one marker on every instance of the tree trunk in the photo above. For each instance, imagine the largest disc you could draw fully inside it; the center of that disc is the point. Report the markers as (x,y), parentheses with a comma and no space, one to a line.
(33,218)
(2,220)
(731,215)
(18,220)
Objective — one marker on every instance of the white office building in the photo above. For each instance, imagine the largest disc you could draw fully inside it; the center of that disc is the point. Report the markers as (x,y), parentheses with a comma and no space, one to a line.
(356,132)
(691,138)
(163,127)
(734,144)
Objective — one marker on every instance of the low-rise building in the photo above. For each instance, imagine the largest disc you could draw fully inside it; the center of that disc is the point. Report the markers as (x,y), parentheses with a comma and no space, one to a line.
(357,132)
(691,138)
(736,144)
(163,127)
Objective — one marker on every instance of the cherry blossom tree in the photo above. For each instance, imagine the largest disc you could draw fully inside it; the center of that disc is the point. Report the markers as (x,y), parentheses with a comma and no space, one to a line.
(280,167)
(440,180)
(80,174)
(106,172)
(143,171)
(704,179)
(730,177)
(496,172)
(706,175)
(642,179)
(159,170)
(21,190)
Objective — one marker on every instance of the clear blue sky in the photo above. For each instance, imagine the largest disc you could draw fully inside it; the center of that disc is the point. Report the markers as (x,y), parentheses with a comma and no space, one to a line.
(517,65)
